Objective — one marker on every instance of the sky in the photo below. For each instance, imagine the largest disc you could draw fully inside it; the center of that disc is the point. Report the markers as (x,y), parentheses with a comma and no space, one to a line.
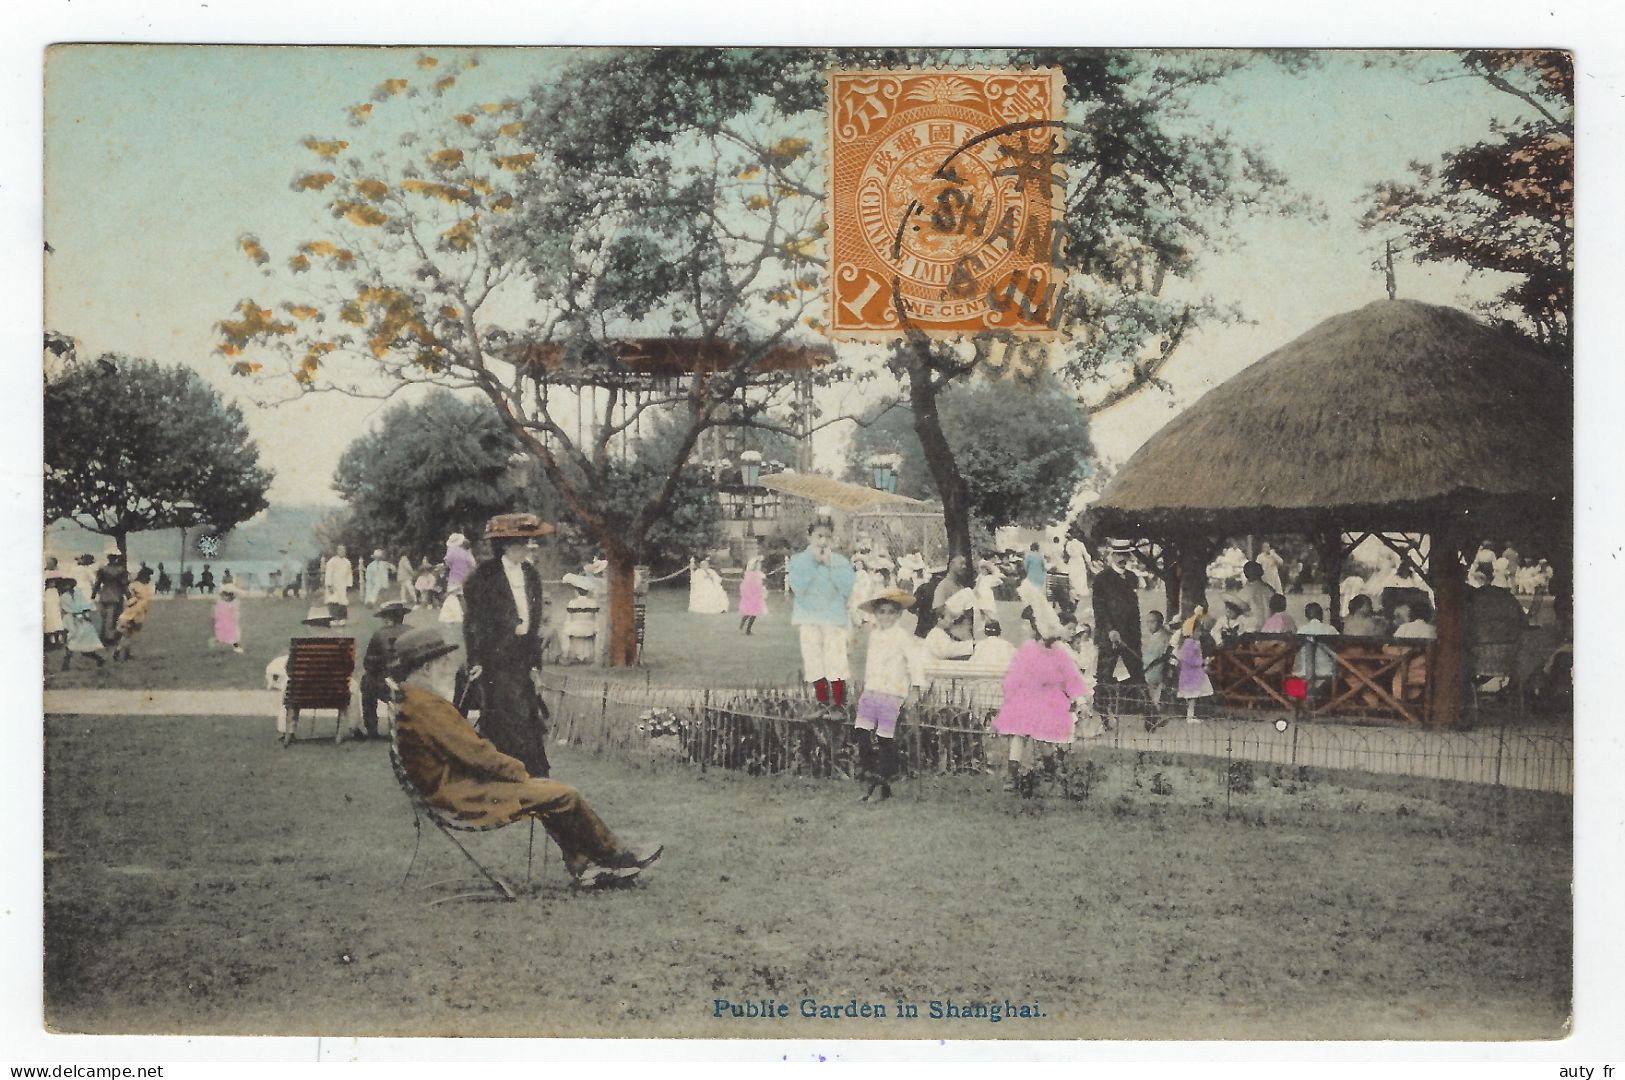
(157,158)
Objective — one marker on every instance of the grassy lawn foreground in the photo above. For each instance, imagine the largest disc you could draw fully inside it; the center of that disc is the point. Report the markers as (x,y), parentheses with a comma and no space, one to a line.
(200,880)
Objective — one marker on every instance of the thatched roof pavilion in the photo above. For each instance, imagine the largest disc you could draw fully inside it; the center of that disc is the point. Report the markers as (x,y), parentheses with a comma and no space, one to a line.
(1382,418)
(1397,417)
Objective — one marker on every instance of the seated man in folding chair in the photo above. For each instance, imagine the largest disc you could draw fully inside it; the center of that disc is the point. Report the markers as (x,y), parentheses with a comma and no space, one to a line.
(459,772)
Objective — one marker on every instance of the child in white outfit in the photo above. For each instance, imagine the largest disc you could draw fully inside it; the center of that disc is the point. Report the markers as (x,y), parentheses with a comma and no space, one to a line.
(893,675)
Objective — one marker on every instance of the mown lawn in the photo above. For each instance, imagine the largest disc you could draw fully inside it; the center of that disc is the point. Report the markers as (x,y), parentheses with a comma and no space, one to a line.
(199,879)
(682,648)
(174,651)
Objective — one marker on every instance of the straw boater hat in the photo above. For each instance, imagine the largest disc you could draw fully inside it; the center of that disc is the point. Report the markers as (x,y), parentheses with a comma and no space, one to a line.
(391,604)
(417,647)
(378,553)
(1189,627)
(1232,600)
(888,596)
(516,527)
(318,615)
(1126,547)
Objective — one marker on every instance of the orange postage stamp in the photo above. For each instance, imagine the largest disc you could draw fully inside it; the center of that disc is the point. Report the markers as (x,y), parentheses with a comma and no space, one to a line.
(941,201)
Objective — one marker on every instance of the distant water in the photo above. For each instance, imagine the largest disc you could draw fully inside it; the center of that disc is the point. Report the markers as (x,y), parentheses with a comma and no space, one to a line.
(249,575)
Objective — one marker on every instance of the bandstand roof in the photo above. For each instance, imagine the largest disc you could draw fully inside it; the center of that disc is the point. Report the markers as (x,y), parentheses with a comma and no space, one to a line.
(633,360)
(1388,417)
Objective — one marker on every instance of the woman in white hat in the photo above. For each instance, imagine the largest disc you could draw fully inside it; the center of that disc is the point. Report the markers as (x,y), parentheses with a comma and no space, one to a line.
(375,578)
(338,578)
(706,596)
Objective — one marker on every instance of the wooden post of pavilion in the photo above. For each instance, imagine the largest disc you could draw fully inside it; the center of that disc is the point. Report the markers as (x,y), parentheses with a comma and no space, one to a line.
(1449,594)
(1172,576)
(1329,545)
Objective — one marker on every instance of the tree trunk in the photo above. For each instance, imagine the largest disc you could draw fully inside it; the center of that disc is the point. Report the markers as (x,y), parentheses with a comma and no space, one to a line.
(1449,591)
(1330,547)
(1172,575)
(623,631)
(1194,555)
(121,538)
(939,458)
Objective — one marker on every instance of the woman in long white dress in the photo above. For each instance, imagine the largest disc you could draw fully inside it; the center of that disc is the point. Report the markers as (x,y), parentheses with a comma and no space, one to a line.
(706,596)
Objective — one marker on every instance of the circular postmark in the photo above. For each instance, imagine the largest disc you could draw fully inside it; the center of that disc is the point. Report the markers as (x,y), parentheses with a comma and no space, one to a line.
(977,237)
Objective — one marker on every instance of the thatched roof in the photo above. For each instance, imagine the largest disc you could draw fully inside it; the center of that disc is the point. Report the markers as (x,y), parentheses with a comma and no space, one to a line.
(837,494)
(1386,417)
(670,358)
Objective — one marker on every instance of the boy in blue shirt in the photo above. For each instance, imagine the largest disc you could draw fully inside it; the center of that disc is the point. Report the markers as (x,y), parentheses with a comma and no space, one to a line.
(821,579)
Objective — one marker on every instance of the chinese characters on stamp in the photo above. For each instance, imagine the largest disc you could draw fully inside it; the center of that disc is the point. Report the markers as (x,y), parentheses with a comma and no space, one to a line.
(942,213)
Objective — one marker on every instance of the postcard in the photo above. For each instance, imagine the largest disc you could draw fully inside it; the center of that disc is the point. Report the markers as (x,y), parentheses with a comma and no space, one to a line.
(764,543)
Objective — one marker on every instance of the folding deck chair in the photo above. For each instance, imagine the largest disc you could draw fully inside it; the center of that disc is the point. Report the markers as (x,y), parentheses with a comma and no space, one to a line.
(449,827)
(319,671)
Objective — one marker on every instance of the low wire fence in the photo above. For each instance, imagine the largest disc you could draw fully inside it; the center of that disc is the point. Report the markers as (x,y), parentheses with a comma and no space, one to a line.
(772,729)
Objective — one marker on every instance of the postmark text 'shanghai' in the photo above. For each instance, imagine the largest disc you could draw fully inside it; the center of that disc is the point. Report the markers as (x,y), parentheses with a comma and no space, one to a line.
(942,201)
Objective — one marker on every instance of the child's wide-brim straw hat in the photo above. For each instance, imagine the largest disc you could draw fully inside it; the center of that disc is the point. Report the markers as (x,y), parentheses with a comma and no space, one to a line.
(888,596)
(1189,629)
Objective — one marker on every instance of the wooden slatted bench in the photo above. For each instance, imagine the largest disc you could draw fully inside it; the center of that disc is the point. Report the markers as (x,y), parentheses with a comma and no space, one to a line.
(1373,678)
(319,677)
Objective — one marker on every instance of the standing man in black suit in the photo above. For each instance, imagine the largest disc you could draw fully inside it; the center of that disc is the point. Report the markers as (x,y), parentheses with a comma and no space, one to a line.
(502,620)
(1117,616)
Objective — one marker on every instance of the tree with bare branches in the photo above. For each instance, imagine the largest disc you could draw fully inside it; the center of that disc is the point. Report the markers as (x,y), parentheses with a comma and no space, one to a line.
(1504,205)
(575,254)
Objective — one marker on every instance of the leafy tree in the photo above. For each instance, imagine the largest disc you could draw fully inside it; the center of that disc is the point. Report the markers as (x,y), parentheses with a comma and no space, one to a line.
(131,445)
(1148,192)
(428,469)
(691,526)
(510,245)
(1505,204)
(1022,450)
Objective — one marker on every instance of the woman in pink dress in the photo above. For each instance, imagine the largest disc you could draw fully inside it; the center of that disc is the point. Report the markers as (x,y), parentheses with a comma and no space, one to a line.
(752,595)
(1038,690)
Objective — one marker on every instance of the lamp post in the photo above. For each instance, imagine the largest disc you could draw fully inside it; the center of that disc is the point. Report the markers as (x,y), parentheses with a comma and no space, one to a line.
(185,509)
(750,467)
(883,467)
(750,474)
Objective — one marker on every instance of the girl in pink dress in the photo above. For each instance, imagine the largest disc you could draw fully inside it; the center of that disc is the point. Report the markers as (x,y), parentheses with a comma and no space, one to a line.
(1195,643)
(227,628)
(752,595)
(1038,690)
